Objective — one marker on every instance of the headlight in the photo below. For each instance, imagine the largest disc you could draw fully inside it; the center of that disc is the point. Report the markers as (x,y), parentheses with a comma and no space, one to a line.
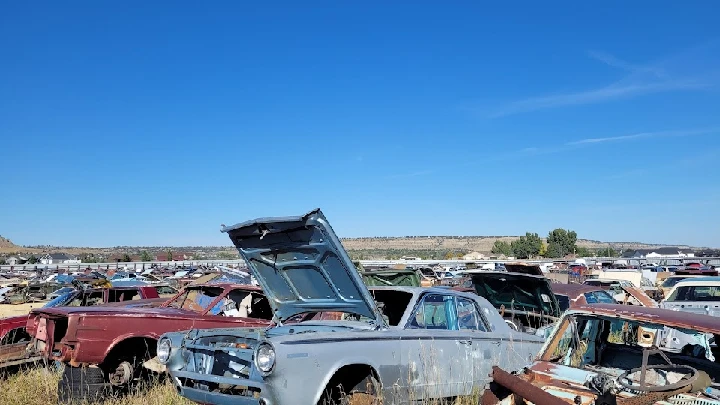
(163,350)
(265,357)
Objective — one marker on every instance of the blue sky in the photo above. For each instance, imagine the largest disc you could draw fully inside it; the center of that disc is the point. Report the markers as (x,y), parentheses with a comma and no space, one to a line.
(152,123)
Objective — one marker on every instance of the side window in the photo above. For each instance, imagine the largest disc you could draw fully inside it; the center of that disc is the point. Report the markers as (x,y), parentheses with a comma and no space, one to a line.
(434,312)
(468,316)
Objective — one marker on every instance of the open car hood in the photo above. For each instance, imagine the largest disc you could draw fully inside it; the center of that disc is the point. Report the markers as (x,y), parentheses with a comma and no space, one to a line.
(302,266)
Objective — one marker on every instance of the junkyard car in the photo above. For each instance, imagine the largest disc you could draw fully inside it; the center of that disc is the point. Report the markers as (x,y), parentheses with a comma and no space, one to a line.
(700,295)
(575,295)
(423,343)
(617,354)
(624,292)
(116,341)
(521,294)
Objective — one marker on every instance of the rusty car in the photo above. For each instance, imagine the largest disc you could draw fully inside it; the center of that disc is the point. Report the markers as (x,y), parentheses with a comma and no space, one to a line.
(624,292)
(576,295)
(109,345)
(618,354)
(395,342)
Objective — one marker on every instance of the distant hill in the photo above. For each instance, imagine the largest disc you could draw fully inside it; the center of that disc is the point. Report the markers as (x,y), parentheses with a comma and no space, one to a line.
(482,244)
(434,247)
(7,247)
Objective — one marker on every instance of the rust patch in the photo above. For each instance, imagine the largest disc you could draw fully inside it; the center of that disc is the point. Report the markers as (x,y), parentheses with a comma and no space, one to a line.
(641,296)
(521,388)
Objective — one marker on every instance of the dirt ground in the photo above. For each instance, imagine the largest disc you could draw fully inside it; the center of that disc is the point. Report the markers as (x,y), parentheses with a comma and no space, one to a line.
(19,309)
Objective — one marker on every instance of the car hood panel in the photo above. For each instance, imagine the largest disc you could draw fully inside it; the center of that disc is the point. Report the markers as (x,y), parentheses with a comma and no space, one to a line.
(302,266)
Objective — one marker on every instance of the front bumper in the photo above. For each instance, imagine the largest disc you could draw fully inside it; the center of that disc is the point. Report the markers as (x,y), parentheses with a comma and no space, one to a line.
(253,395)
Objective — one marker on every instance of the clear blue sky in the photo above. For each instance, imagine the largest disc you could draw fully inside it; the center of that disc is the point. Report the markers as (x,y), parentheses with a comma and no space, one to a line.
(151,123)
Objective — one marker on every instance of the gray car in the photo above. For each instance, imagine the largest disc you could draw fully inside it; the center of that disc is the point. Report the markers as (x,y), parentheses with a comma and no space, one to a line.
(333,339)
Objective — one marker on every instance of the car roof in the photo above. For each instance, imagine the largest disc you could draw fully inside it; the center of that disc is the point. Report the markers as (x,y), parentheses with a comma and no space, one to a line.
(573,289)
(674,319)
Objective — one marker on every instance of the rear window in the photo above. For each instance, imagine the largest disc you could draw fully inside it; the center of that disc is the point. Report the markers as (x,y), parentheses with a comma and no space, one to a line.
(671,281)
(599,297)
(695,293)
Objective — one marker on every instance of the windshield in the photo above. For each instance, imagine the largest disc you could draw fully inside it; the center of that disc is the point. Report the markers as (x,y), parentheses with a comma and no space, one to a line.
(237,302)
(198,299)
(60,300)
(671,281)
(516,292)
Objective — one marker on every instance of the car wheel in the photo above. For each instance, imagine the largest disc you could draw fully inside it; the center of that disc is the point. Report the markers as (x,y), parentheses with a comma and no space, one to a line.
(81,384)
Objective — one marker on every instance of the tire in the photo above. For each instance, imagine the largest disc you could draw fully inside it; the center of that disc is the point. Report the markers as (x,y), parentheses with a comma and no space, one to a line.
(81,384)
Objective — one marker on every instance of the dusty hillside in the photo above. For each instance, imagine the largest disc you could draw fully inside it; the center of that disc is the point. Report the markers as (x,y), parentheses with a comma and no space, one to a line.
(7,247)
(481,244)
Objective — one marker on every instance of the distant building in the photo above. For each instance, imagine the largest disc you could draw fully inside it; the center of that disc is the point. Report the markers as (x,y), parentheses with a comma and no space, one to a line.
(176,257)
(474,256)
(15,260)
(669,251)
(59,258)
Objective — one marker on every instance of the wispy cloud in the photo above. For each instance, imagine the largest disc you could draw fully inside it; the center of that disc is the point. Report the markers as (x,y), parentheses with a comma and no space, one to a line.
(615,62)
(643,135)
(691,70)
(615,91)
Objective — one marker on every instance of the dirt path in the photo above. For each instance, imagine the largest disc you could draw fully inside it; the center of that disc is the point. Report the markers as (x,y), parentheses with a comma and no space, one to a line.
(19,309)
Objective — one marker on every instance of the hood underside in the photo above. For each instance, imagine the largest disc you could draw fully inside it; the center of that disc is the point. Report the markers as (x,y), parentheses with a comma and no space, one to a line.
(302,266)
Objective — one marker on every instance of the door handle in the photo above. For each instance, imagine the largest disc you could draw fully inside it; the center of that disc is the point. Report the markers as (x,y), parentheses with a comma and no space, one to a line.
(465,342)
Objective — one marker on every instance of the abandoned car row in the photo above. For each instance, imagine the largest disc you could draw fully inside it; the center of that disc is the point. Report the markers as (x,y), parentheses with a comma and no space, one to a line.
(315,330)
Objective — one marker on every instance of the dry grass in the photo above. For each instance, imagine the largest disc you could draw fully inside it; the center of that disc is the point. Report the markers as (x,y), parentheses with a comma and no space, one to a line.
(7,310)
(39,387)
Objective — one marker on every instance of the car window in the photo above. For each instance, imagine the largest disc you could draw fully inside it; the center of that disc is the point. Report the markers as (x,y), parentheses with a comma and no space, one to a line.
(88,299)
(468,315)
(434,312)
(123,295)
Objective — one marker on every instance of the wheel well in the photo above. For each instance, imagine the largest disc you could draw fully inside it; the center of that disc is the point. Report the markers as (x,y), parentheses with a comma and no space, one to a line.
(137,347)
(16,335)
(345,380)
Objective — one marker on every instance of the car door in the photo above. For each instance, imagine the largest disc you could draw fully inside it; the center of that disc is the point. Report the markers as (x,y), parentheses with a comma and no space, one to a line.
(437,354)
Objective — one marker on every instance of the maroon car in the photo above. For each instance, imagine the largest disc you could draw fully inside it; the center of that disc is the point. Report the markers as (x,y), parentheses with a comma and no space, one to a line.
(120,340)
(576,295)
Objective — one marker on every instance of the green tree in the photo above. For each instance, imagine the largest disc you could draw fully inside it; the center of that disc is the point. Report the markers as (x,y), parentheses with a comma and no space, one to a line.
(33,260)
(145,256)
(584,252)
(2,260)
(126,258)
(501,248)
(561,242)
(607,252)
(527,246)
(169,255)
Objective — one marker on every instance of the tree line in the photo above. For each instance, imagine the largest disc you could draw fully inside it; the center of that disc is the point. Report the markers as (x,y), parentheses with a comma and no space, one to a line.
(560,243)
